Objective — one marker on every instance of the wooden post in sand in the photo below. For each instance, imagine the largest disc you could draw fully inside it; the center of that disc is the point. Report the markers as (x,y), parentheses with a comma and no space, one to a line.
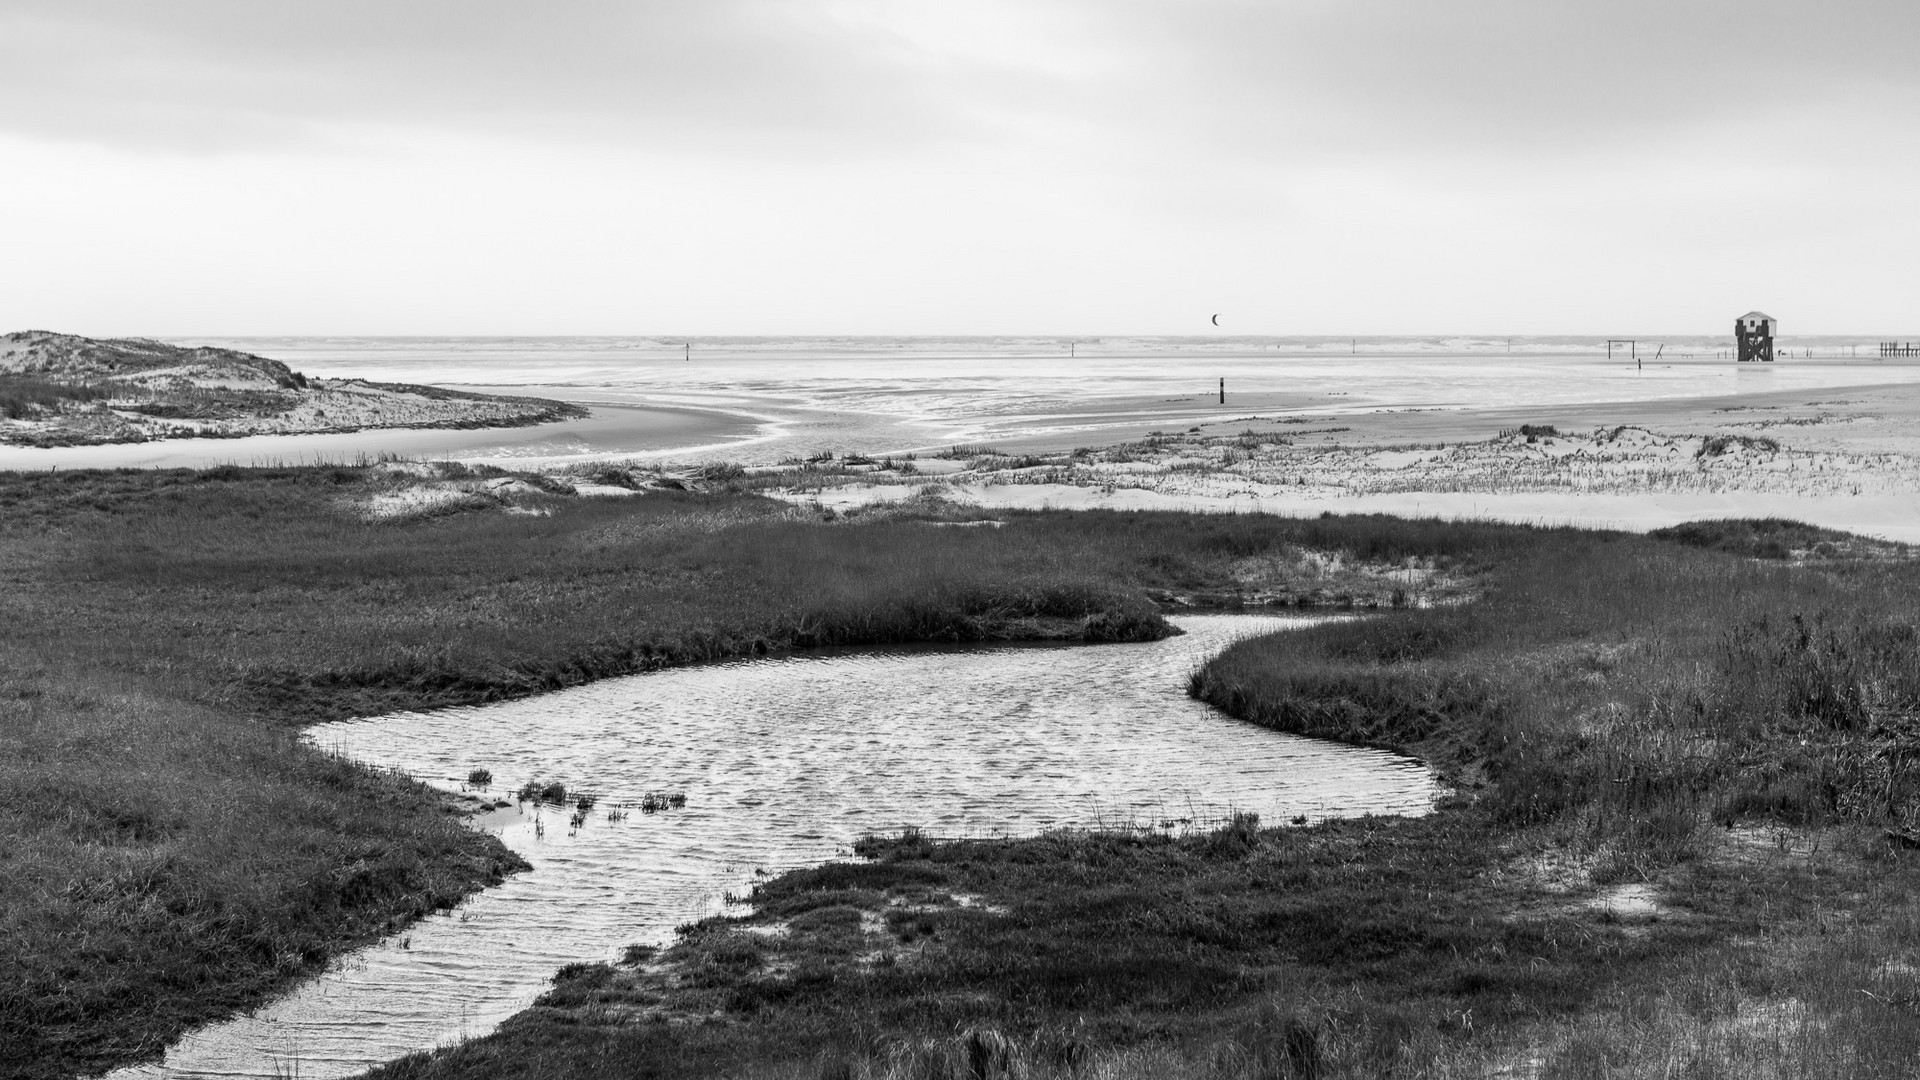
(1223,391)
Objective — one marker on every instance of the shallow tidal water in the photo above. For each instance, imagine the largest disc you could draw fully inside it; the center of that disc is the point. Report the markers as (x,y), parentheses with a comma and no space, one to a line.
(783,762)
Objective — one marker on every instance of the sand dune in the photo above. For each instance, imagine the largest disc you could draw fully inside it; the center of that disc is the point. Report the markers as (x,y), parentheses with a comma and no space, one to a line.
(65,390)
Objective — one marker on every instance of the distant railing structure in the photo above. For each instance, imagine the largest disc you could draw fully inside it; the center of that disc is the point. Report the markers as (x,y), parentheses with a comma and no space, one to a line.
(1898,348)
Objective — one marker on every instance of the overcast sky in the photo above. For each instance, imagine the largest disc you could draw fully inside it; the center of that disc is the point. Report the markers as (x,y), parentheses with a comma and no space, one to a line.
(973,166)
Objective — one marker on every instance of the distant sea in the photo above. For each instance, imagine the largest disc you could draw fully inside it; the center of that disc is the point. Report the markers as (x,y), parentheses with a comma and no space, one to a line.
(764,398)
(955,378)
(620,360)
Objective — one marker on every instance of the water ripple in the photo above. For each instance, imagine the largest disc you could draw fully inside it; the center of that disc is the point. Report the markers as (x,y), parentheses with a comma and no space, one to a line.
(783,762)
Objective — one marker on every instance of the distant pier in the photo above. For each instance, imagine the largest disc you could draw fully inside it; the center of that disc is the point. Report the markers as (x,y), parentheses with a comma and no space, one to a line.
(1898,348)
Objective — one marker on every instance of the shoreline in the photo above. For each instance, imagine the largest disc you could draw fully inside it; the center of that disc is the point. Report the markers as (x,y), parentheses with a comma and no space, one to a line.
(570,439)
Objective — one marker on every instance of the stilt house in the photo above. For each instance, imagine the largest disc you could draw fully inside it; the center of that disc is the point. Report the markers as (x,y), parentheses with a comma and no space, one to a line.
(1754,334)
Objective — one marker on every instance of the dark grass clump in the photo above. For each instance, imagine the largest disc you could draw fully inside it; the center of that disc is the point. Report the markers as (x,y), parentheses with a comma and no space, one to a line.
(1761,538)
(551,792)
(1716,445)
(24,396)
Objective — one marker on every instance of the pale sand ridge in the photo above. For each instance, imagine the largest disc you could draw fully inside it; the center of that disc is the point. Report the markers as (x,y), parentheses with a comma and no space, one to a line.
(1846,459)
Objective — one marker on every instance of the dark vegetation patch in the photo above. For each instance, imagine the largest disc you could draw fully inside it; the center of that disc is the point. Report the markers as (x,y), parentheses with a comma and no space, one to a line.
(1716,445)
(1532,432)
(1777,538)
(22,397)
(222,404)
(169,853)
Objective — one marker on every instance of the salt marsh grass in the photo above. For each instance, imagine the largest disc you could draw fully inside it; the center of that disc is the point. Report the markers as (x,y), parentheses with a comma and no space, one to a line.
(1621,708)
(1681,844)
(172,853)
(1639,689)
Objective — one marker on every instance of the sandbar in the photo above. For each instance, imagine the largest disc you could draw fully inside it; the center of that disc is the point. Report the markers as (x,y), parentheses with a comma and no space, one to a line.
(609,431)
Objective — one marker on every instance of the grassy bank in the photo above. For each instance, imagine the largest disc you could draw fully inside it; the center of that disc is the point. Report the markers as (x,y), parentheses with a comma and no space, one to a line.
(170,853)
(1630,691)
(1683,844)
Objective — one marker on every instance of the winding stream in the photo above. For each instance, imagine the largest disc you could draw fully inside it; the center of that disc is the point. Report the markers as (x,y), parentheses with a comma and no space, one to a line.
(783,762)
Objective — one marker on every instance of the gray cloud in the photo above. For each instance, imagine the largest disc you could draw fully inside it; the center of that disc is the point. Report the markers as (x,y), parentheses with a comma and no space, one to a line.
(1258,79)
(1520,75)
(216,74)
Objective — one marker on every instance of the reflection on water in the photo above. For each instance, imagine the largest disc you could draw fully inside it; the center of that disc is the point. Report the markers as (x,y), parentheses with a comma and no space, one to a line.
(784,762)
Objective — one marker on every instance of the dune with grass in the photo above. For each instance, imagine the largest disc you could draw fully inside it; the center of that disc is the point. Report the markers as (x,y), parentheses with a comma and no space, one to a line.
(66,390)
